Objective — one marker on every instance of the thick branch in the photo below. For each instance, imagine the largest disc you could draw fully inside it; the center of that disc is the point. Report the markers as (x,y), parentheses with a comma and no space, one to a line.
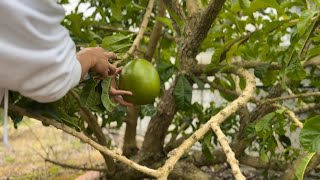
(156,33)
(233,162)
(157,129)
(193,8)
(85,139)
(175,7)
(129,144)
(219,118)
(197,29)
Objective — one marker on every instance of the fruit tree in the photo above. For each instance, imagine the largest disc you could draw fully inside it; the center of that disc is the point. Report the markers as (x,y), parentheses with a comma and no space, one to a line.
(260,58)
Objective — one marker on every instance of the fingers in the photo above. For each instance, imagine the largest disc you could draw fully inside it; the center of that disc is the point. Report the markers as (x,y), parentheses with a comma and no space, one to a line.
(119,69)
(112,69)
(121,101)
(114,91)
(110,55)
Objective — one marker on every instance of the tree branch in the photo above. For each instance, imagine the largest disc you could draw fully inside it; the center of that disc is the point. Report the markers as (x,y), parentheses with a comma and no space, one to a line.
(291,115)
(203,68)
(85,139)
(95,127)
(129,144)
(233,162)
(143,27)
(74,166)
(196,30)
(289,97)
(175,7)
(156,33)
(307,108)
(193,8)
(219,118)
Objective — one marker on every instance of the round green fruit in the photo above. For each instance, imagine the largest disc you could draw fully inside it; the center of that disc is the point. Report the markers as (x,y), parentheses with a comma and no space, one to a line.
(142,79)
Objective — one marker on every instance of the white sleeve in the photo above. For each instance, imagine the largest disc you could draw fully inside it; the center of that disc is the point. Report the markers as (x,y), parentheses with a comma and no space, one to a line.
(37,55)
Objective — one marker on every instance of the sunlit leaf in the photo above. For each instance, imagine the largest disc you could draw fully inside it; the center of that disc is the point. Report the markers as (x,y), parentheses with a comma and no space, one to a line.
(302,165)
(105,98)
(310,134)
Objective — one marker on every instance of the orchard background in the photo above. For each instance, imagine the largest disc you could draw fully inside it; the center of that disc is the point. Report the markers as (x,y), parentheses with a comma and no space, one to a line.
(239,96)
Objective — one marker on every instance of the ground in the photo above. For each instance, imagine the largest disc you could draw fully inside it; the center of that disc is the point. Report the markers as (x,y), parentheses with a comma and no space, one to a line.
(22,159)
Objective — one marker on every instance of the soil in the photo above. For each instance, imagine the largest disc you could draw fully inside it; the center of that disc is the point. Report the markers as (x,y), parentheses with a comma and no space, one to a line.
(22,159)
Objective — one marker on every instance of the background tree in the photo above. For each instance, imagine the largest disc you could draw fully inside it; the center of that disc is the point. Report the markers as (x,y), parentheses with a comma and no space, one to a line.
(265,65)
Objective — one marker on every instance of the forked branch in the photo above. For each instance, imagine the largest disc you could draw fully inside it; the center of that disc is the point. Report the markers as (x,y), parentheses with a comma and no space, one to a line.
(176,154)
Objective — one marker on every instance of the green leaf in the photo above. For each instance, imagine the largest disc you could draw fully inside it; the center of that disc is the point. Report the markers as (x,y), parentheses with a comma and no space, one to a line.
(116,11)
(295,71)
(89,97)
(166,70)
(263,123)
(313,52)
(310,135)
(305,20)
(231,52)
(183,93)
(105,98)
(263,4)
(215,60)
(261,70)
(263,155)
(148,110)
(244,4)
(207,147)
(197,81)
(116,38)
(304,37)
(176,18)
(302,165)
(165,21)
(118,48)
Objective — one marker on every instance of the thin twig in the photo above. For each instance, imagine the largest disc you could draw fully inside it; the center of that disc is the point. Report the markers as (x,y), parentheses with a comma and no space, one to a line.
(36,137)
(143,27)
(307,108)
(218,118)
(291,115)
(290,97)
(75,166)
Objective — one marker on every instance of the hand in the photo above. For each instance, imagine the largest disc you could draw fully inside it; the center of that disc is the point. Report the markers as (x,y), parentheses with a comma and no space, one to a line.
(118,93)
(96,60)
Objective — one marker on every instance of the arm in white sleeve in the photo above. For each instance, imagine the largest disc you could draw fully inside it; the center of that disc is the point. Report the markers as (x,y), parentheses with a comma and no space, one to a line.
(37,55)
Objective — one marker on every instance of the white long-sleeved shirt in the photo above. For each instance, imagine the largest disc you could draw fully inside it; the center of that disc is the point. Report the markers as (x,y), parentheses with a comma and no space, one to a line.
(37,55)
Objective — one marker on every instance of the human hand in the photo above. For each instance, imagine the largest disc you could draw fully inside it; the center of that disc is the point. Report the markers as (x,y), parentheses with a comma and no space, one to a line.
(118,93)
(96,60)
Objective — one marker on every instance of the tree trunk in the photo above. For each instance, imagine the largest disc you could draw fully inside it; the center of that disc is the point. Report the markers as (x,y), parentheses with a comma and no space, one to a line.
(158,127)
(130,145)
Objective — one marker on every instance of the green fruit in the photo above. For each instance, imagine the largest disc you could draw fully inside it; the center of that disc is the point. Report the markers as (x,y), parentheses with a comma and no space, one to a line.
(142,79)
